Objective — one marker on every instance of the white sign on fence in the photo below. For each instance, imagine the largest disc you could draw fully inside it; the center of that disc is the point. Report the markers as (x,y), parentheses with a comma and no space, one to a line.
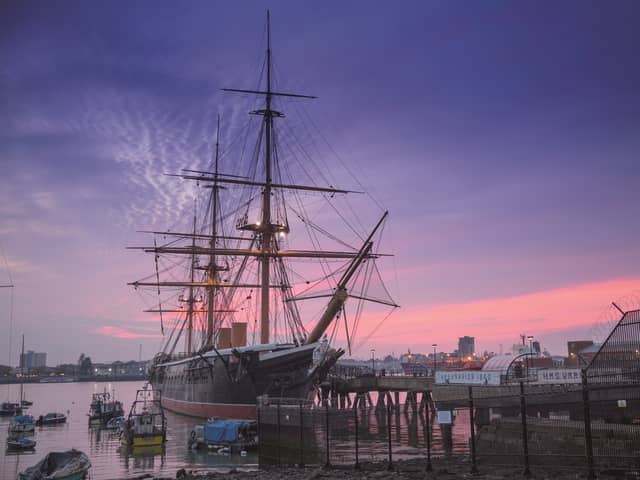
(468,377)
(559,375)
(444,417)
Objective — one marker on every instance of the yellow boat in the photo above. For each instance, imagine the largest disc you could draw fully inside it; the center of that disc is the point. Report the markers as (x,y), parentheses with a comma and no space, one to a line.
(146,425)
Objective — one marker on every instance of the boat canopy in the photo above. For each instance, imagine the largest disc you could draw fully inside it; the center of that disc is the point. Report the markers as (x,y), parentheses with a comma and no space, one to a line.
(71,463)
(222,430)
(23,419)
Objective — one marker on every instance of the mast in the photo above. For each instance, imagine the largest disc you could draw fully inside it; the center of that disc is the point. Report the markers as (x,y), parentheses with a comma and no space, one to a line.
(340,295)
(22,372)
(191,299)
(266,201)
(212,243)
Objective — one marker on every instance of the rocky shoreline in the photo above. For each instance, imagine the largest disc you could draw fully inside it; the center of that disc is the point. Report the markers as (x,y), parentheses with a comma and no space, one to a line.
(401,471)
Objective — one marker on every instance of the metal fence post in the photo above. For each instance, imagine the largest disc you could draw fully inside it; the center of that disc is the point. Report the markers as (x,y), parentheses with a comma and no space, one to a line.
(588,439)
(472,428)
(390,466)
(326,427)
(278,412)
(355,413)
(260,439)
(301,464)
(427,430)
(525,437)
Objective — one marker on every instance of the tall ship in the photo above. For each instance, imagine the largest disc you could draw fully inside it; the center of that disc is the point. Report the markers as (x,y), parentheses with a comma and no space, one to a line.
(255,294)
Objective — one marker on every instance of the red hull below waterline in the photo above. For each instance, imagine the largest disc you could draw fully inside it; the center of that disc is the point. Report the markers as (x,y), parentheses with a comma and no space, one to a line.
(207,410)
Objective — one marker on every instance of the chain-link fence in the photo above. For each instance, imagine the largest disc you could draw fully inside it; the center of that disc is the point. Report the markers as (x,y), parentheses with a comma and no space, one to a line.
(588,427)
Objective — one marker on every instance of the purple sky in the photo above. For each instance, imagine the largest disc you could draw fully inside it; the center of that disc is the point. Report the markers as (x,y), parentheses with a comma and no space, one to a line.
(502,136)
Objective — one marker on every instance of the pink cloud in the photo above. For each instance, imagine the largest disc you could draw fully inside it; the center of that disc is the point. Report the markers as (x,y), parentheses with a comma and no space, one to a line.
(117,332)
(495,320)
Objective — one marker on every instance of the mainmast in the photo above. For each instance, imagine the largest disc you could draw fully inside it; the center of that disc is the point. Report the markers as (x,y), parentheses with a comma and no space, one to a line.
(265,229)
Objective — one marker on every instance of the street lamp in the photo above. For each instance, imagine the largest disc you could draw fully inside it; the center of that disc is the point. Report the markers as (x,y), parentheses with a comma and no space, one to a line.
(434,359)
(373,361)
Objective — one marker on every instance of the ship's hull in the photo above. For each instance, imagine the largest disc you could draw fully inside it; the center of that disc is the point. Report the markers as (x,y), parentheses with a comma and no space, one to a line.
(141,440)
(226,384)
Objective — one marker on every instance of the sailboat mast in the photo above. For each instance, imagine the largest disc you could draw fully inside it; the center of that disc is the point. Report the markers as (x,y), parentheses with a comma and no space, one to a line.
(266,201)
(22,372)
(212,243)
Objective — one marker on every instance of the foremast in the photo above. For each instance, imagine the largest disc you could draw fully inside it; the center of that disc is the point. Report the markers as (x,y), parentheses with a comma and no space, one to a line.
(213,268)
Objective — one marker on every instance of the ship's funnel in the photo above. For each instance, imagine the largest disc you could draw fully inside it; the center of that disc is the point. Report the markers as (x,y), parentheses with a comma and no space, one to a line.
(238,334)
(224,338)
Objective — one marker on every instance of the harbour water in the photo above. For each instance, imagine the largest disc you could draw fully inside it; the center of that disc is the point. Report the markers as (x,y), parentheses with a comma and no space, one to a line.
(109,459)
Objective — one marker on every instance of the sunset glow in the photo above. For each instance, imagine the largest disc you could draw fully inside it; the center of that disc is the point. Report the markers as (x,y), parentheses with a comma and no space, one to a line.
(505,149)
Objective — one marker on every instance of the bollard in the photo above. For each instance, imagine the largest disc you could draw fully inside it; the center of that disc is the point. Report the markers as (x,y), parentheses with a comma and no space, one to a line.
(525,437)
(427,433)
(472,429)
(588,439)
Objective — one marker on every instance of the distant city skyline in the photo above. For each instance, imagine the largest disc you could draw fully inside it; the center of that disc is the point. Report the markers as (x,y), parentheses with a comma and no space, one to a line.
(503,138)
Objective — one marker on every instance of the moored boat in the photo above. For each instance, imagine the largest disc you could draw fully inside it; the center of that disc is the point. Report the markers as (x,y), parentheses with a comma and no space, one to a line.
(115,423)
(146,424)
(236,435)
(9,409)
(69,465)
(51,419)
(17,442)
(22,424)
(103,408)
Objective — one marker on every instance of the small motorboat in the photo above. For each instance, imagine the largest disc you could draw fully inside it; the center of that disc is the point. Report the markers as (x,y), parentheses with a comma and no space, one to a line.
(22,424)
(146,425)
(25,403)
(115,423)
(9,409)
(51,419)
(103,408)
(69,465)
(225,435)
(20,443)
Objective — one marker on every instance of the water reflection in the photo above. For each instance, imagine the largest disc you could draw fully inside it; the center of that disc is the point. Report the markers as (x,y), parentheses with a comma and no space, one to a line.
(143,458)
(103,447)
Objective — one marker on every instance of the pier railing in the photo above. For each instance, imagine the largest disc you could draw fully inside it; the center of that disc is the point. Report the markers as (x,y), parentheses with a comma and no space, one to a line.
(589,427)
